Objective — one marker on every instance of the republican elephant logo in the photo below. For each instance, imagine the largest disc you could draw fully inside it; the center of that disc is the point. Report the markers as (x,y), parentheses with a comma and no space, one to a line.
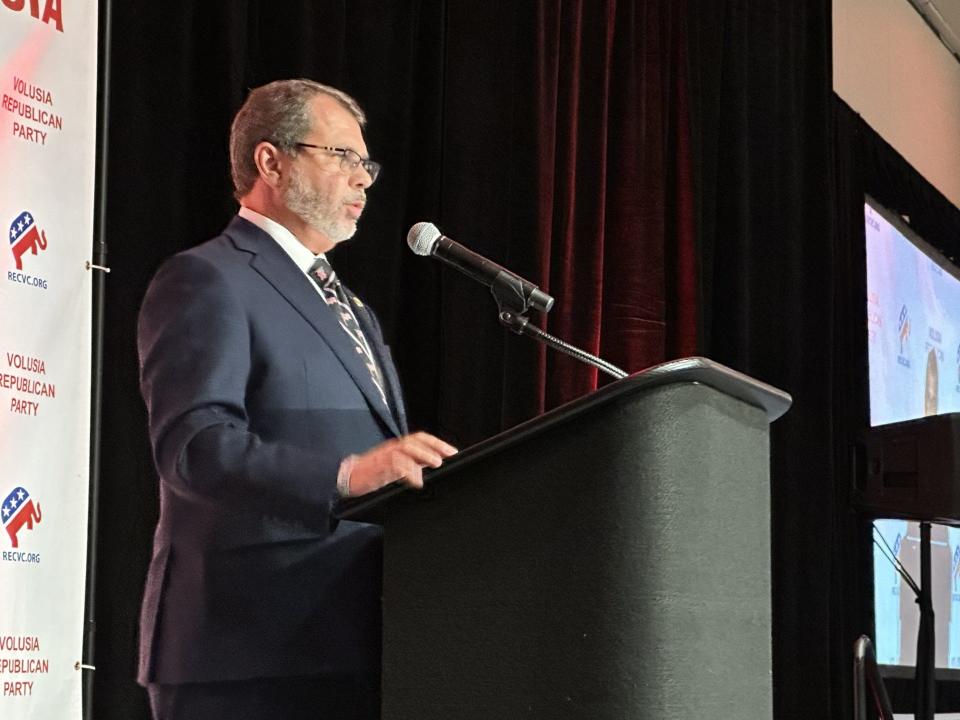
(17,511)
(25,237)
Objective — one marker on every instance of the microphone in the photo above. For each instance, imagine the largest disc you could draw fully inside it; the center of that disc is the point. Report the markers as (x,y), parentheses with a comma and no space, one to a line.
(509,289)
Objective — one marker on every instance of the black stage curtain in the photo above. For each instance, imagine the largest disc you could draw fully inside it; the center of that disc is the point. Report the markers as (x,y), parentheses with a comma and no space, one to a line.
(471,108)
(867,165)
(761,88)
(781,167)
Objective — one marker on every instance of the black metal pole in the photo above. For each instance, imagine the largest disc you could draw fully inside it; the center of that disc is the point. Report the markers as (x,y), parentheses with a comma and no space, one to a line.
(96,384)
(925,678)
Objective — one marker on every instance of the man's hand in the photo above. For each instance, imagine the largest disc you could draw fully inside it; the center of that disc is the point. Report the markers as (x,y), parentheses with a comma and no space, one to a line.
(402,459)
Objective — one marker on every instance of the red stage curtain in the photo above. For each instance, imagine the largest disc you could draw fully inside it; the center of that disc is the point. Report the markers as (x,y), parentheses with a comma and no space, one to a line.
(615,231)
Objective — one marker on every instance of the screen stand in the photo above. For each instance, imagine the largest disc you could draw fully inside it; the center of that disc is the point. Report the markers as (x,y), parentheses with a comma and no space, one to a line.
(925,680)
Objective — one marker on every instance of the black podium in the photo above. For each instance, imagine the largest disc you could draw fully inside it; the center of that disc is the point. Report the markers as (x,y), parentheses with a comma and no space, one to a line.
(608,560)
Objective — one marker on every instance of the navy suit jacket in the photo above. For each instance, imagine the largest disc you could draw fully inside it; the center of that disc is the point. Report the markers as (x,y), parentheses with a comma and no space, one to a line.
(255,394)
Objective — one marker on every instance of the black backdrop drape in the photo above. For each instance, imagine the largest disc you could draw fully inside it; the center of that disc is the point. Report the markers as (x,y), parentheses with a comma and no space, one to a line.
(865,164)
(551,136)
(781,168)
(761,89)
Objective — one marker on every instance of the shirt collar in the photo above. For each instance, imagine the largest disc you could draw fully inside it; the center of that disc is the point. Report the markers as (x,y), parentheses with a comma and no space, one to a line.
(298,252)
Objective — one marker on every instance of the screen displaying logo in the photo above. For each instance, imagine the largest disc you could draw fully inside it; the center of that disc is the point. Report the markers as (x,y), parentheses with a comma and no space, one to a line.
(955,569)
(25,237)
(17,511)
(903,328)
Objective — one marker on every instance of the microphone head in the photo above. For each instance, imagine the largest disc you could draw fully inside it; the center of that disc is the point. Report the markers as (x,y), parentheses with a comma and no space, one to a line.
(423,237)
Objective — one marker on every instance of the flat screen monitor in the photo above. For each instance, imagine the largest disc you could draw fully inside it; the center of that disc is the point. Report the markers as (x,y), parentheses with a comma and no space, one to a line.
(913,339)
(896,615)
(913,323)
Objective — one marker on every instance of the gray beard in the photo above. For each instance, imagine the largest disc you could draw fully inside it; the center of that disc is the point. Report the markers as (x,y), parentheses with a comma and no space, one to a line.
(316,210)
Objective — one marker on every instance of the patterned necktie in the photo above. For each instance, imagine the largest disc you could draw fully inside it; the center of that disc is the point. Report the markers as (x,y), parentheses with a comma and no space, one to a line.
(336,297)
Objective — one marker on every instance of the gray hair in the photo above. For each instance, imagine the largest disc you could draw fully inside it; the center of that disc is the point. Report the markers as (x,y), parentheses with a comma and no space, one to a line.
(277,112)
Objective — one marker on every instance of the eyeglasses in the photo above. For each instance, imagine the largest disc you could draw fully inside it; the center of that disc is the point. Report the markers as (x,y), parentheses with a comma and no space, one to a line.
(350,160)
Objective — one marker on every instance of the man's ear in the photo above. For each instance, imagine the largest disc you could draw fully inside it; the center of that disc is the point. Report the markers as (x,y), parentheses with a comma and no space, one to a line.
(270,162)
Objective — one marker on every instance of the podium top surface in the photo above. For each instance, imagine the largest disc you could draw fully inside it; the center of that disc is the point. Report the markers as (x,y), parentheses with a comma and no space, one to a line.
(693,370)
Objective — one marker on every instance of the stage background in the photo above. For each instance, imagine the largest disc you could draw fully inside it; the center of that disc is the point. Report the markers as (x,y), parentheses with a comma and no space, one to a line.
(543,136)
(666,169)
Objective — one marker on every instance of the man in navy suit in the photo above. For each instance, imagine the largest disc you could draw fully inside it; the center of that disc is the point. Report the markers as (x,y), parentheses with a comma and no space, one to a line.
(271,395)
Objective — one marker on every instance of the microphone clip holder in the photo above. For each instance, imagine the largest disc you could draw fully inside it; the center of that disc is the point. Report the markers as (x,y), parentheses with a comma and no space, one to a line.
(511,293)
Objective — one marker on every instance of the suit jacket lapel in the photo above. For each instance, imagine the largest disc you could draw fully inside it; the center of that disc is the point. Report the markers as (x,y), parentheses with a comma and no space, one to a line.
(276,267)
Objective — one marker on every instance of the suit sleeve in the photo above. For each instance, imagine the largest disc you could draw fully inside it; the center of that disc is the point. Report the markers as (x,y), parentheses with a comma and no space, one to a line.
(195,358)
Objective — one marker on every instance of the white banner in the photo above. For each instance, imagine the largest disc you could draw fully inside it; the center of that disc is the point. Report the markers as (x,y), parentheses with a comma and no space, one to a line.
(48,77)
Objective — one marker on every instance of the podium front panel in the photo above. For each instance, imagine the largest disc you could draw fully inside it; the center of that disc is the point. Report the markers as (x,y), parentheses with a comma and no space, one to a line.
(616,566)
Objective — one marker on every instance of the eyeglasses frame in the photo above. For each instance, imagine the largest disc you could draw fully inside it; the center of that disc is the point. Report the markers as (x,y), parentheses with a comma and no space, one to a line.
(371,167)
